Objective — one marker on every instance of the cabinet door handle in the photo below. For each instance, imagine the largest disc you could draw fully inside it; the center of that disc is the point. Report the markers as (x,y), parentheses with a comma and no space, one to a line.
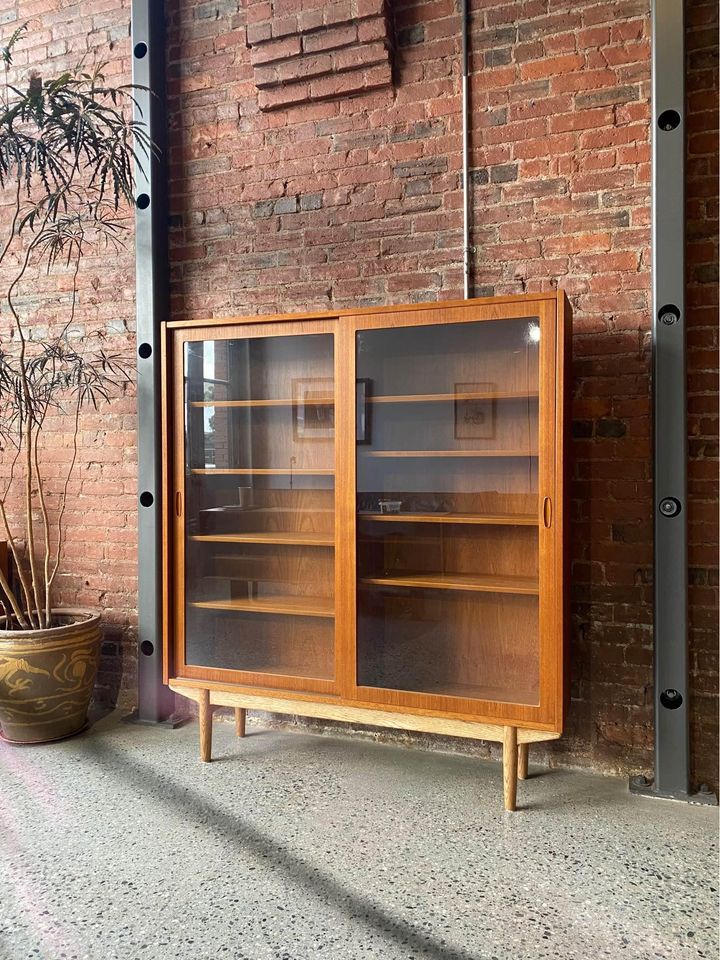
(547,512)
(178,503)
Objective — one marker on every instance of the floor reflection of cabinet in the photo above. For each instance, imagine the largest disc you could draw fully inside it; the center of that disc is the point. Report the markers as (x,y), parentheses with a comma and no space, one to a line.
(365,518)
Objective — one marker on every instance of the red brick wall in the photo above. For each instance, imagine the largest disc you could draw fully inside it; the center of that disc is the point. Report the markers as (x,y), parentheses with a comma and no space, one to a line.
(357,199)
(100,552)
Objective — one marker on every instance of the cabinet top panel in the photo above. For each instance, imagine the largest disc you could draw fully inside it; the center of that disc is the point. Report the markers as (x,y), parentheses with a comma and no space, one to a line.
(520,298)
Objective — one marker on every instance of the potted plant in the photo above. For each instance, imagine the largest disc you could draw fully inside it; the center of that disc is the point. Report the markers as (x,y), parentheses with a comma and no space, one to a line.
(67,148)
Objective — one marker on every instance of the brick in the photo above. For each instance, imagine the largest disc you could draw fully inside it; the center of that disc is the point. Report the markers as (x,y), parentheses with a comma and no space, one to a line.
(375,28)
(363,55)
(259,12)
(548,26)
(504,173)
(311,201)
(286,95)
(301,68)
(498,57)
(370,8)
(481,176)
(552,67)
(420,168)
(284,26)
(418,187)
(582,120)
(330,39)
(339,12)
(610,95)
(275,50)
(353,81)
(411,36)
(262,209)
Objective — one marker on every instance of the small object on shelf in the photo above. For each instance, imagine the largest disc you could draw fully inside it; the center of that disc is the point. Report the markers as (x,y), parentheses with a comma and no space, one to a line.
(245,497)
(390,506)
(363,411)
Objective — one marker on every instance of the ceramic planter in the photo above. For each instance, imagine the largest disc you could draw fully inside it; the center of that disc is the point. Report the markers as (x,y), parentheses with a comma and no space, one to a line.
(47,677)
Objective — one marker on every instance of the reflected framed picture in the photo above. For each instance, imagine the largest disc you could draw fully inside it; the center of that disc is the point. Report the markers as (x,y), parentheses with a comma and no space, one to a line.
(363,411)
(474,411)
(313,408)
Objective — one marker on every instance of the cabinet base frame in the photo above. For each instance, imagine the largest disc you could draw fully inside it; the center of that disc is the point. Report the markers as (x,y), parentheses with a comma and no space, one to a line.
(515,739)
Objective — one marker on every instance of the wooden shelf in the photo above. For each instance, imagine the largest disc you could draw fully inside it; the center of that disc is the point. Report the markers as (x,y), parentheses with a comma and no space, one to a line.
(472,691)
(449,453)
(266,472)
(527,586)
(245,511)
(292,606)
(502,520)
(293,510)
(408,398)
(445,397)
(276,537)
(317,402)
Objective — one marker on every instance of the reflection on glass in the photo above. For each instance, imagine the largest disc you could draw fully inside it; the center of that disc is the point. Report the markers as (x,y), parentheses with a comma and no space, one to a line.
(447,481)
(259,517)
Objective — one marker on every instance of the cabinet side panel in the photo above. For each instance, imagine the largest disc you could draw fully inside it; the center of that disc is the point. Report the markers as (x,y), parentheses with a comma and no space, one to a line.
(167,664)
(177,489)
(550,519)
(564,407)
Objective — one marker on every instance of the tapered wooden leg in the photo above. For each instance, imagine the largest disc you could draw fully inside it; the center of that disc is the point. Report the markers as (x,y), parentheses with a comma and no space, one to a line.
(510,767)
(205,726)
(240,721)
(523,761)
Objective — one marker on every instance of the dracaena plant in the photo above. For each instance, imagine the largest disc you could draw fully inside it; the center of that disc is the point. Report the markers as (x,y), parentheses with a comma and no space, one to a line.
(67,149)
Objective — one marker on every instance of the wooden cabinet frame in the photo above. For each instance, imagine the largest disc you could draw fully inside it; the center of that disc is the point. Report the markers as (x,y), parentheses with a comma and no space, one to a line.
(341,698)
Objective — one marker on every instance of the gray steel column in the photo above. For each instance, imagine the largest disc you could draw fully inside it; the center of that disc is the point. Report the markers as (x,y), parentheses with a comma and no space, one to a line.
(155,701)
(672,761)
(465,65)
(672,756)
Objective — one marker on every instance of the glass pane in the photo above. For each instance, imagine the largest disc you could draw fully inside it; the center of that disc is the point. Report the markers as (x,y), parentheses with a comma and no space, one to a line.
(447,500)
(260,501)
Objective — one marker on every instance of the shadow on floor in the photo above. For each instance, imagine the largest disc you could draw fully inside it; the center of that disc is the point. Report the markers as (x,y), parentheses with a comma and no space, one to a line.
(238,833)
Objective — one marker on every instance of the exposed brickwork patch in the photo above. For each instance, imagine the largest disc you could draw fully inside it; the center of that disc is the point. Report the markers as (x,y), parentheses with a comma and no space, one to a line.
(303,51)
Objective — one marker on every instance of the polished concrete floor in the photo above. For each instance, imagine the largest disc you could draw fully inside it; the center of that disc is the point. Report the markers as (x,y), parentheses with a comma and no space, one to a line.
(121,845)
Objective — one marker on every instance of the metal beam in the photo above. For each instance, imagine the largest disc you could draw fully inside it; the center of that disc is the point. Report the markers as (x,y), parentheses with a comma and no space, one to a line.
(465,69)
(155,701)
(672,759)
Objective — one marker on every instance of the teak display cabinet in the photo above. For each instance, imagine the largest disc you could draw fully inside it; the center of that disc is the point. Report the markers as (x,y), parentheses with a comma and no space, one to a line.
(364,518)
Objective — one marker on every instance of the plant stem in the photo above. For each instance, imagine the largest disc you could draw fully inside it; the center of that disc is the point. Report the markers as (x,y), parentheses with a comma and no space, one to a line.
(5,586)
(27,400)
(18,566)
(50,578)
(63,497)
(29,522)
(46,527)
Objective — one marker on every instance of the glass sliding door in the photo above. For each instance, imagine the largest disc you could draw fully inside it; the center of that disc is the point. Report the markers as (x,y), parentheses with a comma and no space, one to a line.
(447,509)
(259,465)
